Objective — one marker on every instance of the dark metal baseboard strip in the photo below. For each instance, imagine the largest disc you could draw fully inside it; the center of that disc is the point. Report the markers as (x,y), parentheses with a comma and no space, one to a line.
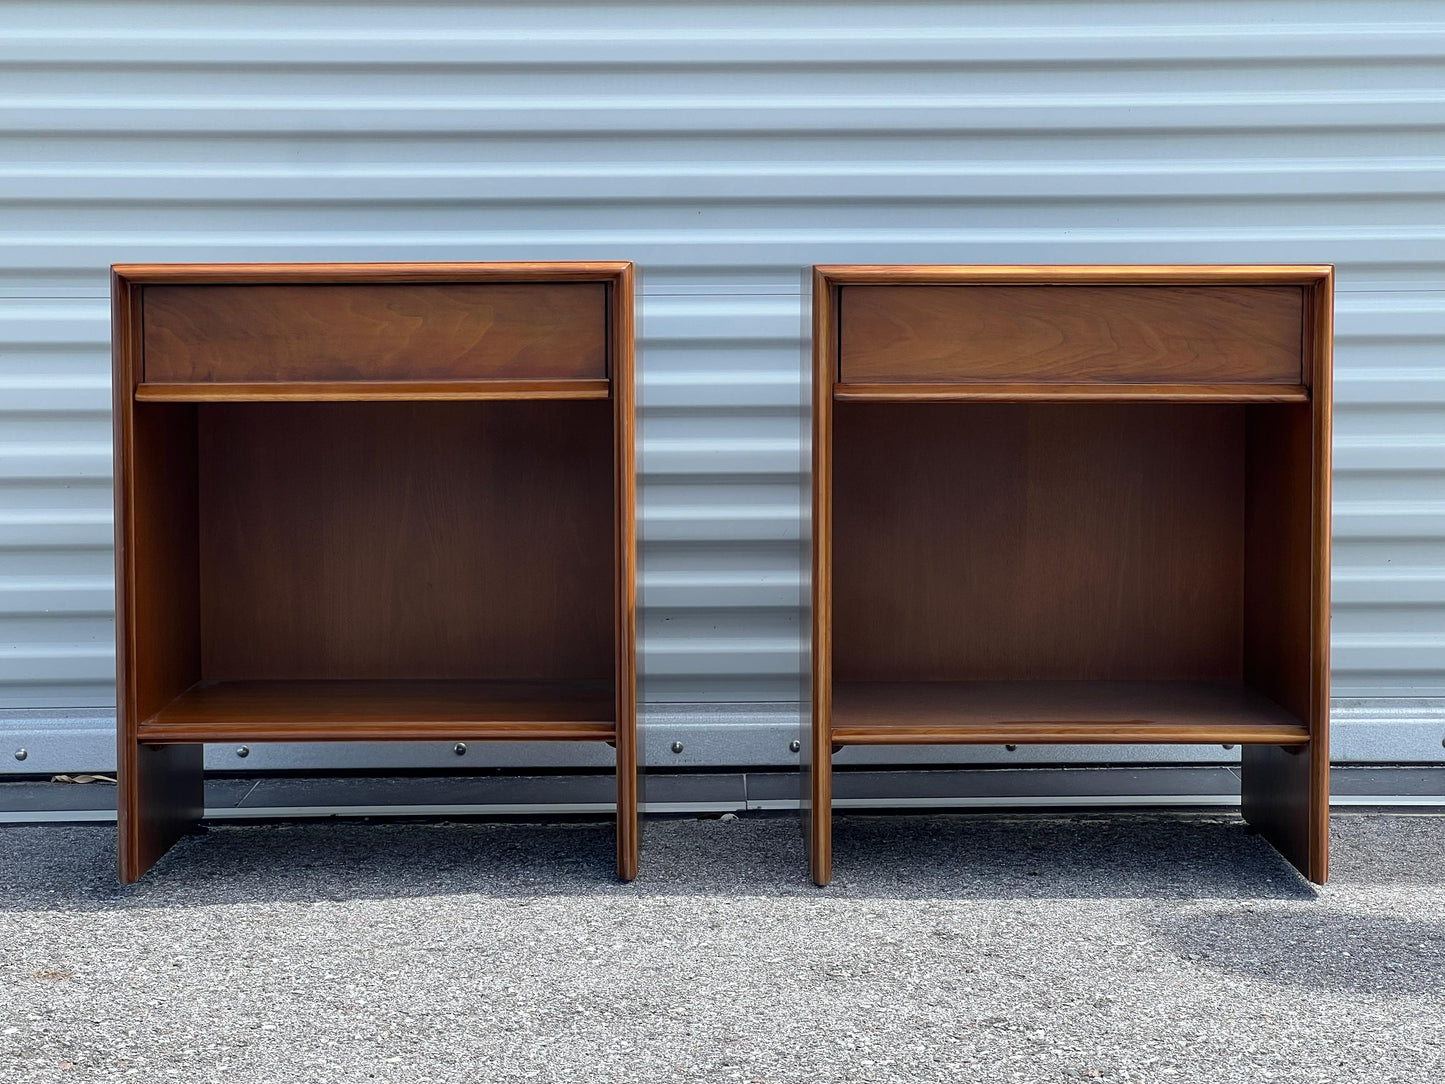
(289,797)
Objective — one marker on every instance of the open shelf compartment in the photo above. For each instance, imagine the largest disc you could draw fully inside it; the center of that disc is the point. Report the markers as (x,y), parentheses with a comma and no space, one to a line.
(453,560)
(1060,554)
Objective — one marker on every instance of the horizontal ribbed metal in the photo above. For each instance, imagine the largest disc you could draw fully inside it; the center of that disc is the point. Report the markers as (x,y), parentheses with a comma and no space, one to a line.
(724,147)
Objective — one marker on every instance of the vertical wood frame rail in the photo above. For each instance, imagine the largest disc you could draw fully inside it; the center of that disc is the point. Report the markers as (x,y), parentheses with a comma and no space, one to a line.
(1285,791)
(160,796)
(621,315)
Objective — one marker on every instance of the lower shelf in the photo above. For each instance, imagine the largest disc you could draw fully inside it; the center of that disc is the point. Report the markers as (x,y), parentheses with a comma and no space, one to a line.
(386,710)
(1058,712)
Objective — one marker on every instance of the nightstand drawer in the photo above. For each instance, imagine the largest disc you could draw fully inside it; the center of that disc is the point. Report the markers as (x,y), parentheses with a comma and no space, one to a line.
(374,331)
(1020,334)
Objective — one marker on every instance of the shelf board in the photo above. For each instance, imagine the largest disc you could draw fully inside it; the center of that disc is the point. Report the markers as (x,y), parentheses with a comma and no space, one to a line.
(377,710)
(1071,393)
(371,391)
(1058,712)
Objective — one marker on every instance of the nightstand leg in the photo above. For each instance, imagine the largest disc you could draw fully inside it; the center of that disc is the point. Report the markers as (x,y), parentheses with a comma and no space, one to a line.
(1286,797)
(161,797)
(628,838)
(818,813)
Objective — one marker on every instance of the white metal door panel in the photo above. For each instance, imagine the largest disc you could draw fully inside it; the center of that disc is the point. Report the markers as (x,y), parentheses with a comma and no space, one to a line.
(723,147)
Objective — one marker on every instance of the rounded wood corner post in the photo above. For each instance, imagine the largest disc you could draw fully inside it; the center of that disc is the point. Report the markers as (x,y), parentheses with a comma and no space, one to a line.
(160,796)
(817,798)
(622,319)
(1321,354)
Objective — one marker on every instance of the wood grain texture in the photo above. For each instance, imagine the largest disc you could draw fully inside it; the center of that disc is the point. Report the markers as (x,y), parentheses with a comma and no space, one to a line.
(304,391)
(1070,393)
(817,799)
(840,275)
(1070,334)
(226,274)
(1249,528)
(406,540)
(1320,363)
(163,795)
(1058,712)
(624,555)
(1037,542)
(388,331)
(808,725)
(162,556)
(390,710)
(1285,792)
(462,544)
(1277,799)
(157,602)
(1278,573)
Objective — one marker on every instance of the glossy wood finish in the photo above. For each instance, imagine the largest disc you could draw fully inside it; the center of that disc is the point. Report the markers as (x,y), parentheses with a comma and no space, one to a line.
(1186,274)
(1036,334)
(817,797)
(1067,558)
(628,737)
(1057,712)
(230,274)
(362,710)
(292,566)
(310,391)
(1287,618)
(1070,393)
(159,796)
(253,333)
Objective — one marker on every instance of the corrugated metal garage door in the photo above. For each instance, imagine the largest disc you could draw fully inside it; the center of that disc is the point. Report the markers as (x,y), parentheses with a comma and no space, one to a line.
(722,147)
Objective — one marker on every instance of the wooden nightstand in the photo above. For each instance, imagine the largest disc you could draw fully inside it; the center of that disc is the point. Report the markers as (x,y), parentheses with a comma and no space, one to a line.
(1075,505)
(365,502)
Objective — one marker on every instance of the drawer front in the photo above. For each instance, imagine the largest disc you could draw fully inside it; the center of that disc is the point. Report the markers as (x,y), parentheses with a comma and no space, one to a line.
(382,331)
(1071,334)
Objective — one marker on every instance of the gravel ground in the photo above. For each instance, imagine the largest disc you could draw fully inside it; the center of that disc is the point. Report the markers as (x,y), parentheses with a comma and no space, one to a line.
(949,948)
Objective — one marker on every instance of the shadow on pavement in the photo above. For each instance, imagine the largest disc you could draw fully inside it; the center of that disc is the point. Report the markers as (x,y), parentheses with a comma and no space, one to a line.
(1349,952)
(962,856)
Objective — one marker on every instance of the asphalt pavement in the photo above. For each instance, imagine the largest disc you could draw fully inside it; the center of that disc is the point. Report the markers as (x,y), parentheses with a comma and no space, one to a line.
(964,947)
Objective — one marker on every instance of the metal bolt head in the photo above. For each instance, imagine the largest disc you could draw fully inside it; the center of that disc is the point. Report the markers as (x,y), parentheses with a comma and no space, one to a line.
(243,751)
(677,747)
(794,745)
(1227,746)
(460,749)
(21,754)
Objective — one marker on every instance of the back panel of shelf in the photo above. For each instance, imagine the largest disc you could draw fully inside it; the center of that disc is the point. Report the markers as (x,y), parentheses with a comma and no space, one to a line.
(1111,542)
(406,540)
(401,542)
